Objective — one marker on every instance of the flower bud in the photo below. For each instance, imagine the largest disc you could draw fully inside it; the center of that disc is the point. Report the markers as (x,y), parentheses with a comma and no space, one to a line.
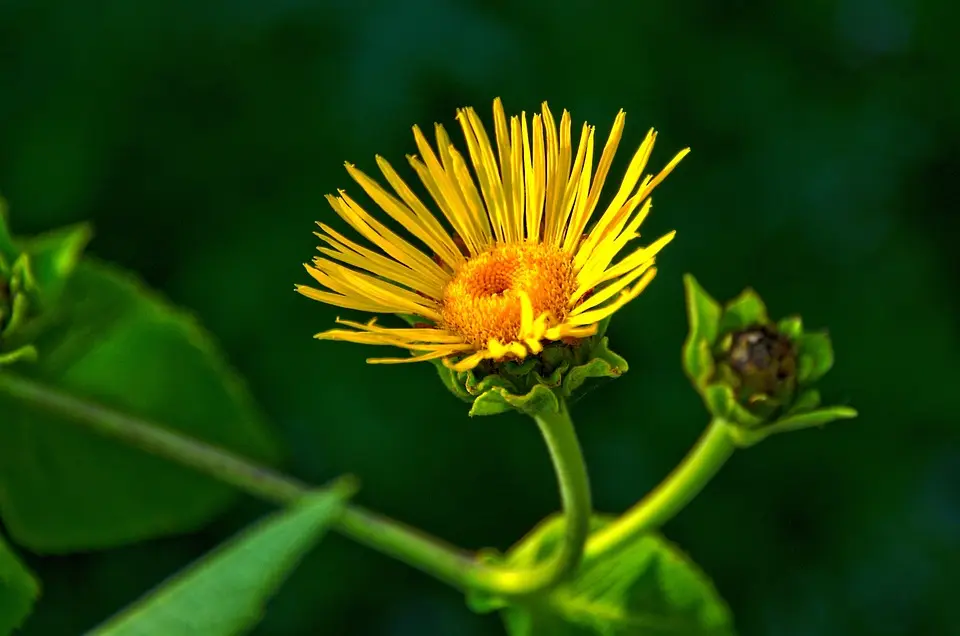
(764,361)
(755,374)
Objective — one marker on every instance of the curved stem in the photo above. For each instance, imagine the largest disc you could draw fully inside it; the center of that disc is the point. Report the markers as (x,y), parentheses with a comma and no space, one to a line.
(699,466)
(561,439)
(424,552)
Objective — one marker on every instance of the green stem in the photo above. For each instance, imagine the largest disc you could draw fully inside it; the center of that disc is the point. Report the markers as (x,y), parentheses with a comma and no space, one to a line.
(428,554)
(561,439)
(699,466)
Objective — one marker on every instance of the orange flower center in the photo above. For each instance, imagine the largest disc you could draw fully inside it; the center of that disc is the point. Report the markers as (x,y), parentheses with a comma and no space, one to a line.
(482,300)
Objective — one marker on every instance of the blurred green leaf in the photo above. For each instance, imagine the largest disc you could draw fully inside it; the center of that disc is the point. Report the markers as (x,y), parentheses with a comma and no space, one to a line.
(648,587)
(53,257)
(18,590)
(814,356)
(116,343)
(224,594)
(744,311)
(703,316)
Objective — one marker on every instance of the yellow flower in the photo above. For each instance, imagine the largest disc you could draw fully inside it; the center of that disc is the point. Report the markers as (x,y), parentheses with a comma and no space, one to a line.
(517,269)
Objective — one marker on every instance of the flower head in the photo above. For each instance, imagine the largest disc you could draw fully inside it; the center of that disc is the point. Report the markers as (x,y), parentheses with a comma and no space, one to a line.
(515,265)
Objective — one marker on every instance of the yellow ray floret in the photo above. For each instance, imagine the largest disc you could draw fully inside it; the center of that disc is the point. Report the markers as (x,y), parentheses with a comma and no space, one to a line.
(514,265)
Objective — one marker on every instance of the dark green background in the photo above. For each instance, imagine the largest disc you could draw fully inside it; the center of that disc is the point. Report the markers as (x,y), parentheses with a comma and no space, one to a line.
(201,137)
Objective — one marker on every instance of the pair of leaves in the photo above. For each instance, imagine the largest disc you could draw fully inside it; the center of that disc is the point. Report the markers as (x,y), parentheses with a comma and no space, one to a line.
(104,338)
(225,592)
(647,587)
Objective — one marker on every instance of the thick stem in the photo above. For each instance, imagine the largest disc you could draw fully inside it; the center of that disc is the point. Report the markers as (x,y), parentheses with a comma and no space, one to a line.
(699,466)
(568,463)
(428,554)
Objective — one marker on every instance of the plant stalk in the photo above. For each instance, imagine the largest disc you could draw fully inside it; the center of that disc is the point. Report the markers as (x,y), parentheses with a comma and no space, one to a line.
(424,552)
(703,461)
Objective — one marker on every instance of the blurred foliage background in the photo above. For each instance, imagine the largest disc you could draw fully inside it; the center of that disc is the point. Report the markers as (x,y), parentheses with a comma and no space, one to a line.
(201,137)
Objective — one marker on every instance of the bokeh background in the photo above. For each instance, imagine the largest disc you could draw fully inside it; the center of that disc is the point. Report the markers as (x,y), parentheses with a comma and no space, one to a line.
(201,137)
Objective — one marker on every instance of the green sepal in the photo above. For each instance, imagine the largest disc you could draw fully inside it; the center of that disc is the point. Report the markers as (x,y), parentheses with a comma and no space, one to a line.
(721,402)
(791,327)
(647,586)
(814,356)
(450,379)
(561,369)
(497,400)
(809,419)
(603,363)
(745,311)
(703,316)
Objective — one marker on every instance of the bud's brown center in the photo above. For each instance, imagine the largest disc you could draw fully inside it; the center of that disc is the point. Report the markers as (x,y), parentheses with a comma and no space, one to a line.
(764,359)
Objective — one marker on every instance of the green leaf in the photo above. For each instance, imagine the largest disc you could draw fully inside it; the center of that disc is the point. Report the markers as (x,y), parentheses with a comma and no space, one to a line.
(115,343)
(603,363)
(53,257)
(224,594)
(744,311)
(647,587)
(809,419)
(18,589)
(540,399)
(814,357)
(818,417)
(703,316)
